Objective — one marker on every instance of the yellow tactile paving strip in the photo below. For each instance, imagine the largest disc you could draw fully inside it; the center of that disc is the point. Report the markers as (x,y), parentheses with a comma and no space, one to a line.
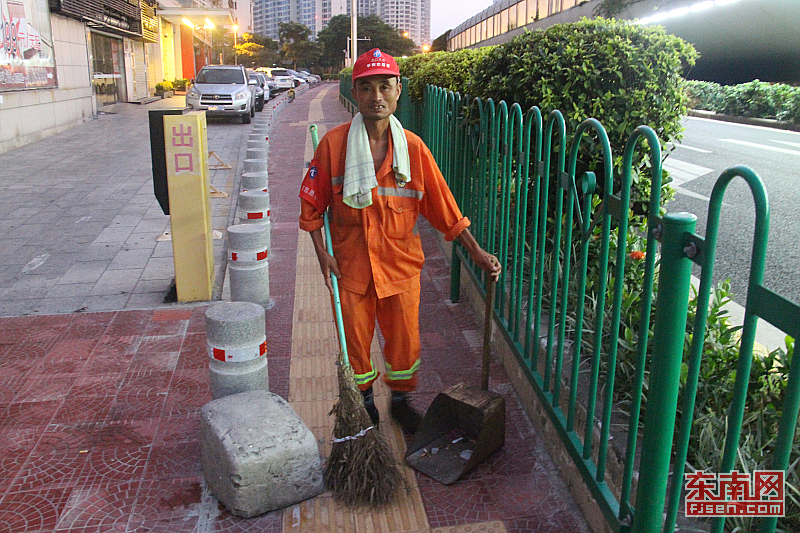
(313,391)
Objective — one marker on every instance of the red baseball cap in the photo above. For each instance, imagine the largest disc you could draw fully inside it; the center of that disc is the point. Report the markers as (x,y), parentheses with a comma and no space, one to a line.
(375,62)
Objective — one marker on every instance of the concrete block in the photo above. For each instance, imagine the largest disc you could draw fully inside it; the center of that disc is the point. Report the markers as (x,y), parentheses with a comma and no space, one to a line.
(257,454)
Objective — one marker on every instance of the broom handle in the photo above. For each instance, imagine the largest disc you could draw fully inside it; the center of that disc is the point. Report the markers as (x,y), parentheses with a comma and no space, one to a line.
(337,302)
(487,332)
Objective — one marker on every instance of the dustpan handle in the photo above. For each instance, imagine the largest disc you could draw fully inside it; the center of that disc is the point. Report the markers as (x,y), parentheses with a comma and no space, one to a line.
(487,332)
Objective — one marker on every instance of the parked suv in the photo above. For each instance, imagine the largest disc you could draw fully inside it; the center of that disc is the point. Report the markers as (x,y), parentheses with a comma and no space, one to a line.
(223,90)
(282,78)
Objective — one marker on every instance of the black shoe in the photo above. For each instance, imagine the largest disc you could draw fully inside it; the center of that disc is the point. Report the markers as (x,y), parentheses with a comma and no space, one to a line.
(369,405)
(406,416)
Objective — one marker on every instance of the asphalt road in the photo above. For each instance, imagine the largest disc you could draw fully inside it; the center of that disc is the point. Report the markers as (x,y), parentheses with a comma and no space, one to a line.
(708,148)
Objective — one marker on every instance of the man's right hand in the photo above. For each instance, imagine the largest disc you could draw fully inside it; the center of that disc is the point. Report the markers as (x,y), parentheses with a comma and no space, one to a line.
(327,263)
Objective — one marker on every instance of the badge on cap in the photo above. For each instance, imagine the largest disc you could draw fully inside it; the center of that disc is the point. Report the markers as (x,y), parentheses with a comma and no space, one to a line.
(376,53)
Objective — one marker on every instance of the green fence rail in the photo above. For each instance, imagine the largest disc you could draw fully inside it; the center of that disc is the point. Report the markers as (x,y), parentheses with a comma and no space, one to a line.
(515,174)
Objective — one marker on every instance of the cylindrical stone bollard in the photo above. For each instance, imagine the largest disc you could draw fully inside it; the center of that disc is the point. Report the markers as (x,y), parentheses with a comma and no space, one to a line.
(261,137)
(248,265)
(255,165)
(255,181)
(237,348)
(259,145)
(258,153)
(254,209)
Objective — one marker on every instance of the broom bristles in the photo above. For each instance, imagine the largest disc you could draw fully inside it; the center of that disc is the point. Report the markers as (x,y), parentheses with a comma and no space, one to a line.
(362,470)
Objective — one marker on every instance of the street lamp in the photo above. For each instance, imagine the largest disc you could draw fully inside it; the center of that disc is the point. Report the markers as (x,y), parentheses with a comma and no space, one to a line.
(235,34)
(346,52)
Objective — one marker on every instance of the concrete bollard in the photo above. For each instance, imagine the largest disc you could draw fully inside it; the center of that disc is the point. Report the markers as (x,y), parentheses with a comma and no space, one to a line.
(248,265)
(255,165)
(259,143)
(255,181)
(254,207)
(257,153)
(261,137)
(237,348)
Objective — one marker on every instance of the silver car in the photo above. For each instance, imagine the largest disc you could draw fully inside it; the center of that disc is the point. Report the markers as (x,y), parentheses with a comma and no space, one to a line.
(223,90)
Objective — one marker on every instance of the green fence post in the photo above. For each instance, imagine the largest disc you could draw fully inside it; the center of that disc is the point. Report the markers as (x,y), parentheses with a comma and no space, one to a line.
(662,400)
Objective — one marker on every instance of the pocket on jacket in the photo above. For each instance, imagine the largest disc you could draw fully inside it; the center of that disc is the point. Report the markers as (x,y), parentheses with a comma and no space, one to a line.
(401,216)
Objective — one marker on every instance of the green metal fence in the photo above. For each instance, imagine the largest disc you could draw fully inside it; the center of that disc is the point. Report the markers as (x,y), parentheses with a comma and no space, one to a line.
(515,174)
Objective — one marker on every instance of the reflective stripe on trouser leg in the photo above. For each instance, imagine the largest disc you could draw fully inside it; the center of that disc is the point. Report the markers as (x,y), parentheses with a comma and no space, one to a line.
(398,318)
(358,314)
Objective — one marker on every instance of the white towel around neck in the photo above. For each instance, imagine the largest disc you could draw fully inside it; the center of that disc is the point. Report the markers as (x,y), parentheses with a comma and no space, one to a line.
(359,170)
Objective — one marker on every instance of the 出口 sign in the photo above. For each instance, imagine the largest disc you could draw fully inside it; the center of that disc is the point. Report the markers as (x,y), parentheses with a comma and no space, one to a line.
(26,45)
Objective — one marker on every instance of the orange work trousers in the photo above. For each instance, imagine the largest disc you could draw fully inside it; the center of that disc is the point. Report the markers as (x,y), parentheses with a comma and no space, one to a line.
(398,318)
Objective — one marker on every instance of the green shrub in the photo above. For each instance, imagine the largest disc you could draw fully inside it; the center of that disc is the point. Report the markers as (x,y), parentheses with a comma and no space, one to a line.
(705,95)
(180,84)
(163,86)
(620,73)
(449,70)
(753,99)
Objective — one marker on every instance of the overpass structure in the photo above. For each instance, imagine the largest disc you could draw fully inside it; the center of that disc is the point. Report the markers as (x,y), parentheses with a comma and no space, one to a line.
(738,40)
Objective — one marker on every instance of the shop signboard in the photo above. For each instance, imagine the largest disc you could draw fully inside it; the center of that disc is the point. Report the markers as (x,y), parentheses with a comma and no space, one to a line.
(26,46)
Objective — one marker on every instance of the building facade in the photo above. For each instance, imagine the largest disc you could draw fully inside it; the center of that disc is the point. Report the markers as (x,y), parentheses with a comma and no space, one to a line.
(412,16)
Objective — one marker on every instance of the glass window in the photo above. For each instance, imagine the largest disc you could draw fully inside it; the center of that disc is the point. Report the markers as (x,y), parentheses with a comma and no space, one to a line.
(531,11)
(555,7)
(504,21)
(497,24)
(521,19)
(544,9)
(484,32)
(512,17)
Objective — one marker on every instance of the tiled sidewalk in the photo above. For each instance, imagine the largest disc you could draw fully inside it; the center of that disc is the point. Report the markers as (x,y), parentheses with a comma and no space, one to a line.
(99,412)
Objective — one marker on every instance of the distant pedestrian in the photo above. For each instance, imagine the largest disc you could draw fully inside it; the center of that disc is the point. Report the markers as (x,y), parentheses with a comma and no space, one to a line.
(377,178)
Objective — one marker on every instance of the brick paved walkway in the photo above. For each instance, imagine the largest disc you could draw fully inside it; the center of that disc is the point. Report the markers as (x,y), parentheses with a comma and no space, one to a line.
(99,412)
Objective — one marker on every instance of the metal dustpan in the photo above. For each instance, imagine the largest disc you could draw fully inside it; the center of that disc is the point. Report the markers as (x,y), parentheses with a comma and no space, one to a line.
(463,425)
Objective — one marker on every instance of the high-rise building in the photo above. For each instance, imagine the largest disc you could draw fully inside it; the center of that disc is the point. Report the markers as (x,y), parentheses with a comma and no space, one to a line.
(268,14)
(412,16)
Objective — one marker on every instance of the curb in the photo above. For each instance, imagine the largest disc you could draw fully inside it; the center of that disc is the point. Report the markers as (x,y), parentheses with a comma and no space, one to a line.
(750,121)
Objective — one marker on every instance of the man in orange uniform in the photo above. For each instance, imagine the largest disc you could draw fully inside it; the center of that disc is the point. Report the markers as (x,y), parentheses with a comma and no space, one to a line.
(378,178)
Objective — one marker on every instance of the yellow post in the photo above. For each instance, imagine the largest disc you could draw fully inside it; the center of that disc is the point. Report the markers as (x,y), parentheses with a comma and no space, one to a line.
(186,142)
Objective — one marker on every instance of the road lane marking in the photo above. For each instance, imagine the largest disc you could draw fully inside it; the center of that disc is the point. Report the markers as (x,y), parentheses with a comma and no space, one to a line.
(762,146)
(692,148)
(789,143)
(682,172)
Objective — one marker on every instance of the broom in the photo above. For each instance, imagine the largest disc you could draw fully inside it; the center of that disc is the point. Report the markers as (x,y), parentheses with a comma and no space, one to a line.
(361,469)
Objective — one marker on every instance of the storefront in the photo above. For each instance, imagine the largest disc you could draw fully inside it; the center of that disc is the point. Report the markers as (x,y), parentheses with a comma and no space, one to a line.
(108,69)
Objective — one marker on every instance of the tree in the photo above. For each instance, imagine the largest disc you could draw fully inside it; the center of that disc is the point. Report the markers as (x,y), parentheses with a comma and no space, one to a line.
(253,49)
(440,43)
(381,35)
(295,45)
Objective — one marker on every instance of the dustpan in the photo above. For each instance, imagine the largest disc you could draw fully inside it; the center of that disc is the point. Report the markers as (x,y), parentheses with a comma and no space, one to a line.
(464,425)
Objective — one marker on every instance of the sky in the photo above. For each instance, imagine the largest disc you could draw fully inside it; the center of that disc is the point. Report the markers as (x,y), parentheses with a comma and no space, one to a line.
(447,14)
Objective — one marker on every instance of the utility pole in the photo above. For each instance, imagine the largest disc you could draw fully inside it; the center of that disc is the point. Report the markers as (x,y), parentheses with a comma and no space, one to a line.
(353,33)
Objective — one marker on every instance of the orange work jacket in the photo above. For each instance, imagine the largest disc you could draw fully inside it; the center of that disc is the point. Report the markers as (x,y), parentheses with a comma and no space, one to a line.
(379,242)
